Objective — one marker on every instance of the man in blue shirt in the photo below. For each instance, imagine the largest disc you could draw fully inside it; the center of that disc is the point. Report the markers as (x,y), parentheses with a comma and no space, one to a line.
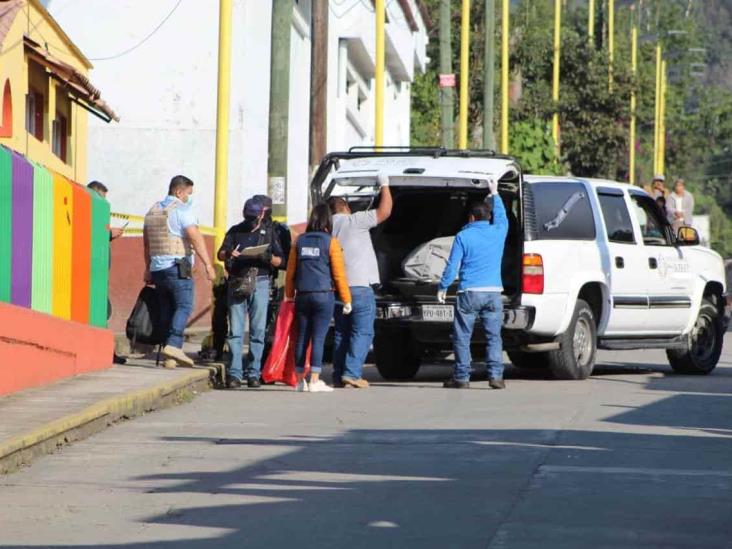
(171,237)
(477,254)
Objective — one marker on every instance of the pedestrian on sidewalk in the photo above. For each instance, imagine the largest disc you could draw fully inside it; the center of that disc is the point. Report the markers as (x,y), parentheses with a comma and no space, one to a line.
(658,187)
(248,288)
(114,233)
(314,268)
(477,254)
(354,333)
(171,236)
(680,206)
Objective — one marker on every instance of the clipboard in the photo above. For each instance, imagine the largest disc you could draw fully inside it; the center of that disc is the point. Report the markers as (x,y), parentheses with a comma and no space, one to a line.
(253,251)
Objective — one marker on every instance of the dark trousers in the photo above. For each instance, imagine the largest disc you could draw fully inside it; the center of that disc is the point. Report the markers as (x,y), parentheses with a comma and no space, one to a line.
(313,311)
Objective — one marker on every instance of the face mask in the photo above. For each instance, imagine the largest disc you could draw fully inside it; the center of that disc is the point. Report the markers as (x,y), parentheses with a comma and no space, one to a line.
(190,201)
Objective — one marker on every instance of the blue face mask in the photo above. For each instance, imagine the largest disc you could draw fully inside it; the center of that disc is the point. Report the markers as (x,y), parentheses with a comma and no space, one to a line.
(190,201)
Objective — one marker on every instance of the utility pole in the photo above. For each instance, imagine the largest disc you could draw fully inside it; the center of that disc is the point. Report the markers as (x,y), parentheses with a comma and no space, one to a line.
(279,107)
(505,9)
(318,82)
(489,138)
(591,22)
(555,72)
(447,100)
(223,96)
(633,100)
(657,110)
(380,16)
(610,42)
(662,122)
(464,74)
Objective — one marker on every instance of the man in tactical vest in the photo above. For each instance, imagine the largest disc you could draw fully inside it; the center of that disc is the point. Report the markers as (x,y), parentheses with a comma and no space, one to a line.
(248,286)
(170,237)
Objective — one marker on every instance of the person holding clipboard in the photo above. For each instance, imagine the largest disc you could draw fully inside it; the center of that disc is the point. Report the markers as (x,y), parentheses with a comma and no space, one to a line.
(251,253)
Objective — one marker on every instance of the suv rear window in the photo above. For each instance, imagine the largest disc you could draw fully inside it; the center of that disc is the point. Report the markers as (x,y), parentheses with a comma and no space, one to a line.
(563,211)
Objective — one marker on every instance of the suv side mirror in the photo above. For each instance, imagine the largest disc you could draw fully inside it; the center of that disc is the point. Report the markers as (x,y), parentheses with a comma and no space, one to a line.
(687,236)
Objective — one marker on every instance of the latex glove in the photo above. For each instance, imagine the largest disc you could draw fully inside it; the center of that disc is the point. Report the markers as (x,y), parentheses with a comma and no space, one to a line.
(442,296)
(382,179)
(347,308)
(493,186)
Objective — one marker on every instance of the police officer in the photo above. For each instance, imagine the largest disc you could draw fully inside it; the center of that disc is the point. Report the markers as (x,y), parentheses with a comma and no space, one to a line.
(248,287)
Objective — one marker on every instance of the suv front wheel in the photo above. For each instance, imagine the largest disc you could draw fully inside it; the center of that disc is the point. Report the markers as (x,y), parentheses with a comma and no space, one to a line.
(703,345)
(575,357)
(395,355)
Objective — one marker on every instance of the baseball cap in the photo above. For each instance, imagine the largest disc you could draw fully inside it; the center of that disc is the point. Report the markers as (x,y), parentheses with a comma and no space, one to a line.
(253,207)
(264,199)
(659,177)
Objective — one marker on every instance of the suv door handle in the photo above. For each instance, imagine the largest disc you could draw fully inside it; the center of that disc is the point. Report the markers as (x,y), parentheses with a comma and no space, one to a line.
(653,263)
(620,262)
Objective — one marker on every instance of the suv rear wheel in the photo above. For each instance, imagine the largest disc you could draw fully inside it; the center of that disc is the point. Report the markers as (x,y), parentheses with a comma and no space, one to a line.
(395,355)
(577,351)
(703,345)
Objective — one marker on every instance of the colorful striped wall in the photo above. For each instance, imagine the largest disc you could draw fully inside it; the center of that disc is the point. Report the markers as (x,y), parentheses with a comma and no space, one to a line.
(54,243)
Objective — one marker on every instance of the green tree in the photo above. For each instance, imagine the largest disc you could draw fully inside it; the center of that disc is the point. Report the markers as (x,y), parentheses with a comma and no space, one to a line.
(697,41)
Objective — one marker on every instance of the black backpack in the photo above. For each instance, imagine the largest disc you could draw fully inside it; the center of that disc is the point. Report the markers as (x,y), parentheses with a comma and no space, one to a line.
(145,325)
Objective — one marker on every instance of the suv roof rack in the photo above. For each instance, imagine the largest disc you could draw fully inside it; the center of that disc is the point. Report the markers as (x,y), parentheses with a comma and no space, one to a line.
(371,150)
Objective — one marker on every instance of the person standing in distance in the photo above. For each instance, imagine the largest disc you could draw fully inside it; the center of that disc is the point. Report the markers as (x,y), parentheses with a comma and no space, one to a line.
(315,267)
(244,298)
(114,233)
(477,254)
(354,333)
(680,205)
(171,236)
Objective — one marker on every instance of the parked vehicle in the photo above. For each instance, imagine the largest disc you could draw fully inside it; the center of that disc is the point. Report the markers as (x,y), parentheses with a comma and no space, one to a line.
(588,264)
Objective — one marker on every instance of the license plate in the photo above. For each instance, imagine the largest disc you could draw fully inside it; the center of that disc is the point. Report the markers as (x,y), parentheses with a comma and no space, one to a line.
(437,313)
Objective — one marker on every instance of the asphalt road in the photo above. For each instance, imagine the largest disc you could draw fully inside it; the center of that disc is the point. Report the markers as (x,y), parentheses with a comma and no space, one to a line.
(633,457)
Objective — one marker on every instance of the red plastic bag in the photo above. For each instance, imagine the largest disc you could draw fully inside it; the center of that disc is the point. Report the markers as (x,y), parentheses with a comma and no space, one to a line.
(280,365)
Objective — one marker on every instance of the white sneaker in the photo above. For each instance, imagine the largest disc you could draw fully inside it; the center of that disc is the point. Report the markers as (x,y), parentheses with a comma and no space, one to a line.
(320,387)
(302,387)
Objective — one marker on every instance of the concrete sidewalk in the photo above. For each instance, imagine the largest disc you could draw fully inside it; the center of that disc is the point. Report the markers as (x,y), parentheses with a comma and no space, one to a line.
(38,421)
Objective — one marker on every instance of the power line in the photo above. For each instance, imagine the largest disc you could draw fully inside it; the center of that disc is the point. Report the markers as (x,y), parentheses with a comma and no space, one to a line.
(141,42)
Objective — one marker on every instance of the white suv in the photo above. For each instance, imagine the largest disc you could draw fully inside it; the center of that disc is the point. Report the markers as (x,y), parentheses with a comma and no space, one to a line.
(588,264)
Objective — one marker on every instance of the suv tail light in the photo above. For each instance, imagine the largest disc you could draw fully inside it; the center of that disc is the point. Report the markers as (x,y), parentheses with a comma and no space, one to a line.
(532,274)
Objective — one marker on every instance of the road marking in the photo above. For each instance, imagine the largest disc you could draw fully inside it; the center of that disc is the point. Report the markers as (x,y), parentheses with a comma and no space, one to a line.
(634,471)
(537,445)
(279,487)
(317,476)
(383,524)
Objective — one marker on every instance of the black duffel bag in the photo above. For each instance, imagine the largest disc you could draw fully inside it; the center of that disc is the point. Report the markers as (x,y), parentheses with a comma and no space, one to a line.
(145,324)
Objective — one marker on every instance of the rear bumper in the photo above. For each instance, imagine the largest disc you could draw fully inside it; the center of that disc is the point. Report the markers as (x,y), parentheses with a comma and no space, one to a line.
(395,315)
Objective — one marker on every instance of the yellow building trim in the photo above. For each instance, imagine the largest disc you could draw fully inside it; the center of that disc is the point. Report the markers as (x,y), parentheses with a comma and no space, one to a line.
(65,37)
(33,21)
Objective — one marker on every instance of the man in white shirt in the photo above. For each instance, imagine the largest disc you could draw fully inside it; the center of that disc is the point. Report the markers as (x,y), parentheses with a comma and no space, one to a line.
(354,333)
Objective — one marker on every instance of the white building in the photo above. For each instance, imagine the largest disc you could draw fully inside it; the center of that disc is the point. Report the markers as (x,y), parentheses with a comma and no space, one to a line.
(157,62)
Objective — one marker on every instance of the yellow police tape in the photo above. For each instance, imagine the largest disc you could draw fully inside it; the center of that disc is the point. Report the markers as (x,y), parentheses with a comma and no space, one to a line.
(140,219)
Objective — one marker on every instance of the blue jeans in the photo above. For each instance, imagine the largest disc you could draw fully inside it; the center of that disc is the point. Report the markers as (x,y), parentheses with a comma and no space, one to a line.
(255,307)
(313,311)
(489,307)
(176,303)
(354,334)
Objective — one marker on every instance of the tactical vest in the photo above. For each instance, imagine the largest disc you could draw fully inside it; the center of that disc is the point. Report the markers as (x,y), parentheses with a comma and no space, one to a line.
(159,238)
(313,263)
